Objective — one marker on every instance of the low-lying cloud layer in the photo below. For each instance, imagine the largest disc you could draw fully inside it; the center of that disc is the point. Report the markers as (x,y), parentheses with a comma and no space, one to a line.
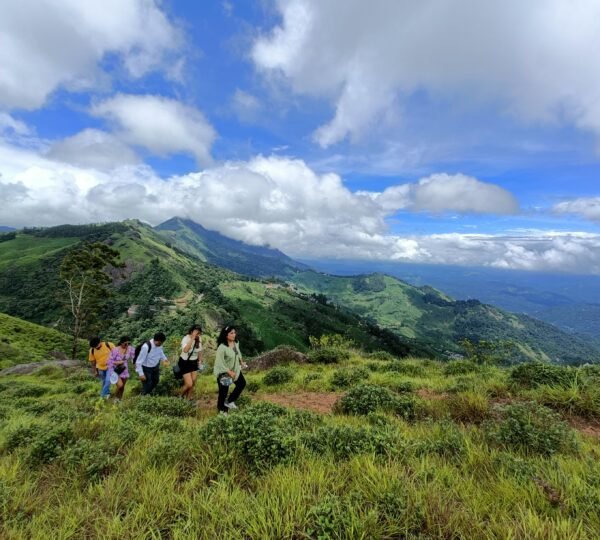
(283,203)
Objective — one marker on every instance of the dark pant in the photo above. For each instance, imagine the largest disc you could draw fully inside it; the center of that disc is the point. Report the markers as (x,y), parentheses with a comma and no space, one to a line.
(152,375)
(240,384)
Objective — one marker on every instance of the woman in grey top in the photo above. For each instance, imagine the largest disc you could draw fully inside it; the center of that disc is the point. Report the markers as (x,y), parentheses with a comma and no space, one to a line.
(228,369)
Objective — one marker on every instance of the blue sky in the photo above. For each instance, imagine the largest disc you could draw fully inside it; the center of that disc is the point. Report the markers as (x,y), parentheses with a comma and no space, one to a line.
(390,131)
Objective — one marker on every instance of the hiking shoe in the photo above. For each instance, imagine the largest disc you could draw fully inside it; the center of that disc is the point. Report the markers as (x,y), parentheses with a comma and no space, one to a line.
(231,405)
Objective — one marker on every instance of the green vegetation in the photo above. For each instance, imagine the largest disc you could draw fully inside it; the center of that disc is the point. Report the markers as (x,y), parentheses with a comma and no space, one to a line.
(399,456)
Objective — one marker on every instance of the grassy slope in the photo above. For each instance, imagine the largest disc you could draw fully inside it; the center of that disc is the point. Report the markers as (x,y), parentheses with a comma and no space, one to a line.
(74,467)
(428,315)
(23,342)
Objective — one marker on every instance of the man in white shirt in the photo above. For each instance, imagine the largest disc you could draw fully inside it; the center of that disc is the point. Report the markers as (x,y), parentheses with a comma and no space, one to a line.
(148,362)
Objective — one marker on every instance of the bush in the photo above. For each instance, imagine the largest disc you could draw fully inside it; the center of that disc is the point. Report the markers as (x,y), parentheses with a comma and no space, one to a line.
(328,519)
(253,386)
(460,367)
(22,390)
(405,407)
(278,375)
(531,429)
(534,374)
(20,436)
(404,368)
(309,377)
(343,378)
(168,384)
(381,355)
(396,507)
(341,441)
(328,355)
(302,419)
(365,399)
(165,406)
(49,443)
(94,459)
(402,387)
(257,435)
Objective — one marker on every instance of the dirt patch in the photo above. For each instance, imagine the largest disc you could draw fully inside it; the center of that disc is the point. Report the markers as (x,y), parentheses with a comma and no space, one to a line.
(426,393)
(588,427)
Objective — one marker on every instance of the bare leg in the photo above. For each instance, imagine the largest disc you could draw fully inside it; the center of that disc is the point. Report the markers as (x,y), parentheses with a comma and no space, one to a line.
(187,385)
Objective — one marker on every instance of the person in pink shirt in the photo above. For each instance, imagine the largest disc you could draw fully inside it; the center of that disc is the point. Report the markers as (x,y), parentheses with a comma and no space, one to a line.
(117,363)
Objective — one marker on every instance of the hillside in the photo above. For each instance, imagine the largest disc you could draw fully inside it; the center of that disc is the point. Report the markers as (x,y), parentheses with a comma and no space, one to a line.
(167,288)
(363,448)
(22,342)
(214,248)
(428,316)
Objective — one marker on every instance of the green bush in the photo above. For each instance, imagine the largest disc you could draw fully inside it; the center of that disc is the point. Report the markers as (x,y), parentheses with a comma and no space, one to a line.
(365,399)
(92,458)
(328,519)
(279,375)
(168,384)
(302,419)
(534,374)
(402,387)
(165,406)
(344,378)
(381,355)
(253,386)
(468,407)
(328,355)
(405,407)
(22,390)
(48,444)
(258,435)
(404,368)
(166,450)
(341,441)
(20,436)
(309,377)
(460,367)
(531,429)
(395,507)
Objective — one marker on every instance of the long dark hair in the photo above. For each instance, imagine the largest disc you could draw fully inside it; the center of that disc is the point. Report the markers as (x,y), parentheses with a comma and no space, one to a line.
(194,327)
(222,339)
(124,339)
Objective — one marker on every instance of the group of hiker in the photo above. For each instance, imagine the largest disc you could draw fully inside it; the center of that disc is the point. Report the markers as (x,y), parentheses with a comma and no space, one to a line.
(111,364)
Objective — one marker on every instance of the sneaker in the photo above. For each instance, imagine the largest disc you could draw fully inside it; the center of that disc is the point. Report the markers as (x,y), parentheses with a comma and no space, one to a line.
(231,405)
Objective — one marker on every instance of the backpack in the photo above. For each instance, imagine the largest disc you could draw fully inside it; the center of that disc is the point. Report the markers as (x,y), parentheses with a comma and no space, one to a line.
(138,349)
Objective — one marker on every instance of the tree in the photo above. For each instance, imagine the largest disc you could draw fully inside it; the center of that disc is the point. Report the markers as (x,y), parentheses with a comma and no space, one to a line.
(489,352)
(85,272)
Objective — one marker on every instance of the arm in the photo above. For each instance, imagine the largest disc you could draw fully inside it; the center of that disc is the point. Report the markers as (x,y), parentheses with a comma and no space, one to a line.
(110,363)
(142,356)
(186,344)
(92,359)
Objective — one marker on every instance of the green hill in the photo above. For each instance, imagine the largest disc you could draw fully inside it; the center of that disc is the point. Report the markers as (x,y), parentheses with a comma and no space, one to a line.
(23,342)
(213,247)
(428,316)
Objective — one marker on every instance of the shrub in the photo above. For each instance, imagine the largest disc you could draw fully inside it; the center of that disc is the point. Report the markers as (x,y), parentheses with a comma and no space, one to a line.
(365,399)
(468,407)
(168,384)
(309,377)
(93,458)
(381,355)
(343,378)
(581,401)
(328,355)
(257,435)
(402,387)
(533,374)
(166,450)
(341,441)
(20,436)
(328,519)
(302,419)
(49,443)
(165,406)
(404,368)
(531,429)
(396,507)
(405,407)
(460,367)
(28,390)
(278,375)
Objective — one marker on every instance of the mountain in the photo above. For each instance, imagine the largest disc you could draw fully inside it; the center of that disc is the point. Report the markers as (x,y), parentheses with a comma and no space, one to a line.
(167,288)
(571,302)
(164,286)
(214,248)
(432,318)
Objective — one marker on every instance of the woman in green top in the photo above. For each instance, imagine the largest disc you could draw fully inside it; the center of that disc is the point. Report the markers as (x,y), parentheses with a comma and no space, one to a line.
(228,369)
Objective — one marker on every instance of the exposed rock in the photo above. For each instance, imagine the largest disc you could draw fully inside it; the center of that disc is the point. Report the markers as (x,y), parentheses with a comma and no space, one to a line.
(276,357)
(26,369)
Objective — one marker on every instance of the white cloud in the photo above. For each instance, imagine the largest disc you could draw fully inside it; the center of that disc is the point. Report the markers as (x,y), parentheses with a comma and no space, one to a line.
(245,105)
(48,44)
(10,125)
(275,201)
(443,193)
(163,126)
(533,59)
(92,148)
(588,207)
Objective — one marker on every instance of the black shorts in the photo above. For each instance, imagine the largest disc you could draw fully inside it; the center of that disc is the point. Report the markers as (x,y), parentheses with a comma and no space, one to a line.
(187,366)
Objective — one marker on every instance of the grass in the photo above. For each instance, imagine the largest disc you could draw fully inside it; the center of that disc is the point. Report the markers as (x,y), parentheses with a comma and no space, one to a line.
(72,466)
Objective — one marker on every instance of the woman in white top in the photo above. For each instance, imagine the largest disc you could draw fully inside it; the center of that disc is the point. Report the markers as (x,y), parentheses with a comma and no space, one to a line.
(191,359)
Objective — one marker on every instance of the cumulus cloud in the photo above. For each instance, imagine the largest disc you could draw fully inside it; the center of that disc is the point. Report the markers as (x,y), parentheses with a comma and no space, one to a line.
(272,201)
(245,105)
(588,207)
(531,59)
(94,149)
(10,125)
(442,193)
(163,126)
(48,44)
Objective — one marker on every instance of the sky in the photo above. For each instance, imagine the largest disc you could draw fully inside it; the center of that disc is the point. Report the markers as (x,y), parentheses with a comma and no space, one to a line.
(463,133)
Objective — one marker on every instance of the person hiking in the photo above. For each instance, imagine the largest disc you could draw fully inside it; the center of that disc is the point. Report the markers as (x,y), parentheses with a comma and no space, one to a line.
(98,355)
(190,360)
(147,364)
(228,369)
(117,363)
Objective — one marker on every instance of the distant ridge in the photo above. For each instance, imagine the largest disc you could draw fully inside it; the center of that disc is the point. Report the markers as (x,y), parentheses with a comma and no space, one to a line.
(217,249)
